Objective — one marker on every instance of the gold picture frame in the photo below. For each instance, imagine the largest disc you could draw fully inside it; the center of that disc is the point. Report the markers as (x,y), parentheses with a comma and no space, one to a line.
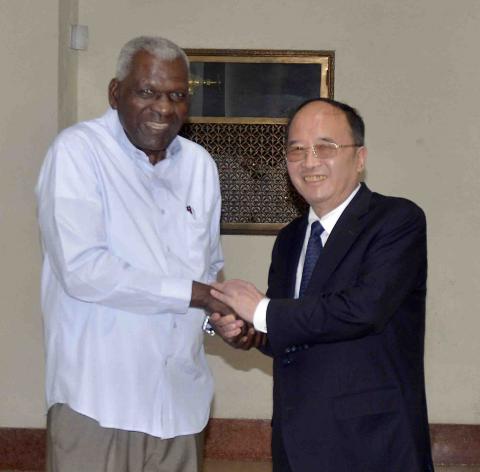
(240,104)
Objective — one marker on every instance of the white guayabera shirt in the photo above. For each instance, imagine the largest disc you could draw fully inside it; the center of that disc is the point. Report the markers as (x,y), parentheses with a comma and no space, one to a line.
(122,242)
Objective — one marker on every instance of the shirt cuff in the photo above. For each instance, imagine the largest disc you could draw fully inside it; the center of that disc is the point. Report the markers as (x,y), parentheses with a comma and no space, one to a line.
(260,315)
(176,293)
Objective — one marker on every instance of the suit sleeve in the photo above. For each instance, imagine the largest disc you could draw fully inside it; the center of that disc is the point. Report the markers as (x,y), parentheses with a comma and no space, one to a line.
(391,271)
(277,284)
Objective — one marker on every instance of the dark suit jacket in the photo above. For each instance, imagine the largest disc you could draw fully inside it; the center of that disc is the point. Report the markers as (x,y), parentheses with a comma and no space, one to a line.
(349,392)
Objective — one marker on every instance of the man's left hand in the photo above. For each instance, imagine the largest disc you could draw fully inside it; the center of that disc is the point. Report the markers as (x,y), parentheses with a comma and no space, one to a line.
(236,332)
(242,296)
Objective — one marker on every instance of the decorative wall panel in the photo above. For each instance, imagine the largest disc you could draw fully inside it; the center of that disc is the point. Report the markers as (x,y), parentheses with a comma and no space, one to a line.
(240,104)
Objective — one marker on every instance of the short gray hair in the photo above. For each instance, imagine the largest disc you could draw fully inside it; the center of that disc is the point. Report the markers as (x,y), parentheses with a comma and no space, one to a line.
(161,48)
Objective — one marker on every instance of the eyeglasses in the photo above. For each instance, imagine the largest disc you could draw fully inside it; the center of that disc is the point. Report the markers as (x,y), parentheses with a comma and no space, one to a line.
(323,150)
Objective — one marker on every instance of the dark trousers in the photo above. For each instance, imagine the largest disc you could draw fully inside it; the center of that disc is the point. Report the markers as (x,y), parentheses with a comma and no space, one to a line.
(279,454)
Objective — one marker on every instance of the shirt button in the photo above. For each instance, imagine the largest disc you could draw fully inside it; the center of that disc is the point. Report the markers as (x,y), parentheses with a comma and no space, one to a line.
(162,211)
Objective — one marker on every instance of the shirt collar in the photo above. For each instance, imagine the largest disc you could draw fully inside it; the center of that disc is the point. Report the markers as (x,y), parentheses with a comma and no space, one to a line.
(329,220)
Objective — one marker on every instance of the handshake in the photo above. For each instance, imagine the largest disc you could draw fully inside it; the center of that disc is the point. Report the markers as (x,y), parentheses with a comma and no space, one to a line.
(231,306)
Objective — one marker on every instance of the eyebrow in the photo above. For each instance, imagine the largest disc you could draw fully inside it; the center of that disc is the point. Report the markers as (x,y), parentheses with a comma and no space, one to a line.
(297,141)
(328,140)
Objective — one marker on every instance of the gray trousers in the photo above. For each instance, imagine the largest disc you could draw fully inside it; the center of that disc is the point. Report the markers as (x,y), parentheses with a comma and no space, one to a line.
(77,443)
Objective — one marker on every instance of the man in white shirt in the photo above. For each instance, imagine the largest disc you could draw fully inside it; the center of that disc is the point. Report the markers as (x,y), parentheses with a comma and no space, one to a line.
(129,217)
(344,312)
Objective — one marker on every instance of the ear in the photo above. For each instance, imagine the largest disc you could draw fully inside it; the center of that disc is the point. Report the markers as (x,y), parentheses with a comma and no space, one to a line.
(361,159)
(113,93)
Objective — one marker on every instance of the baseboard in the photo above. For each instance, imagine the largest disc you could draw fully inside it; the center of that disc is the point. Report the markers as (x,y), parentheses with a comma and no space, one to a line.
(22,449)
(455,444)
(234,439)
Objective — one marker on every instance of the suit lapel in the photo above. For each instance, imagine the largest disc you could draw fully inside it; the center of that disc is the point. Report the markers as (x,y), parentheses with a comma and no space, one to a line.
(294,254)
(344,233)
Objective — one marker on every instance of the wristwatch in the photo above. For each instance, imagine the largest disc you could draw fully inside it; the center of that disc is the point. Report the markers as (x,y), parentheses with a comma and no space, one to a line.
(207,327)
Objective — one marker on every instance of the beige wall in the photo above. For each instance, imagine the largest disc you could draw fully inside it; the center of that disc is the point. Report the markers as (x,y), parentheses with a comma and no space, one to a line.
(28,121)
(409,66)
(67,65)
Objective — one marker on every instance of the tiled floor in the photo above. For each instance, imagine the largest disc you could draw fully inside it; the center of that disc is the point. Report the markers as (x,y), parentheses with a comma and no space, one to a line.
(230,466)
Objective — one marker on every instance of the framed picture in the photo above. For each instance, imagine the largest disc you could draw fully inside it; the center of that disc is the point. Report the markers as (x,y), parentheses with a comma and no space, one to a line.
(240,104)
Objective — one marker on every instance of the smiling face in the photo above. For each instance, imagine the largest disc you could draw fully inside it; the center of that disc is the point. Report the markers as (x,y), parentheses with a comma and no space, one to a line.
(152,102)
(324,182)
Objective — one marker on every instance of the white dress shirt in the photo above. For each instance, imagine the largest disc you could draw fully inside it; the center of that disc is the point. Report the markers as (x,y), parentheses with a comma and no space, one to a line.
(122,242)
(327,221)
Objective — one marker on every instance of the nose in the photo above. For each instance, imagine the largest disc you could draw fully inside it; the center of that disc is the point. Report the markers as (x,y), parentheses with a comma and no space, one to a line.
(162,104)
(311,158)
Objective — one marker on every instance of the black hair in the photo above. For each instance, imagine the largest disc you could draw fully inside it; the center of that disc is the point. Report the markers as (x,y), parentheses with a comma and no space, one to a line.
(354,119)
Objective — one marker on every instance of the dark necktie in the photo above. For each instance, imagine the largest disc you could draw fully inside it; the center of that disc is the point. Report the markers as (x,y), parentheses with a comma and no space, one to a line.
(314,248)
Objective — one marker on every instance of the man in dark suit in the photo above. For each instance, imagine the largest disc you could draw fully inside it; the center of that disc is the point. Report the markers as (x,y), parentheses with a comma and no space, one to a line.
(344,312)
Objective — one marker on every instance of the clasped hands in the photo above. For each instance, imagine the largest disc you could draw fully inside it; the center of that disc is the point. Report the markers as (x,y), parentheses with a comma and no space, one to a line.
(232,305)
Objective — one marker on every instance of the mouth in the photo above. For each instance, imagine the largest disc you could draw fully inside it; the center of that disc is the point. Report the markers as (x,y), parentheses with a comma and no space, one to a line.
(155,126)
(314,178)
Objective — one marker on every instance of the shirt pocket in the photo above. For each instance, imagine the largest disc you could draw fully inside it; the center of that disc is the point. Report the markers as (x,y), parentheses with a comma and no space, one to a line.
(198,243)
